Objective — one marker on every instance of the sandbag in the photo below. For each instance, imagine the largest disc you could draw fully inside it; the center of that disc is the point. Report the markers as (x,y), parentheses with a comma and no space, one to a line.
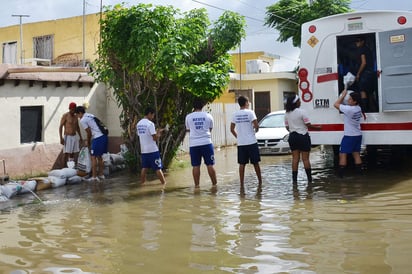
(63,173)
(348,80)
(3,198)
(27,186)
(74,180)
(57,181)
(106,159)
(42,183)
(10,189)
(84,162)
(71,164)
(117,159)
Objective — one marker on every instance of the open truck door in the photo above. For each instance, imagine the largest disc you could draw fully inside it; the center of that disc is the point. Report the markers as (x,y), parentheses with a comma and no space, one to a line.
(396,69)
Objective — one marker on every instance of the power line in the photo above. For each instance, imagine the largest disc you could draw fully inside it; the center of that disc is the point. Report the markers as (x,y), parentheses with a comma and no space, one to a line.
(222,9)
(252,18)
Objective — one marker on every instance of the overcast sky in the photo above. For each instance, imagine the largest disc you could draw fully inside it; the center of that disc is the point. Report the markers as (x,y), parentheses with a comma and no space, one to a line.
(258,37)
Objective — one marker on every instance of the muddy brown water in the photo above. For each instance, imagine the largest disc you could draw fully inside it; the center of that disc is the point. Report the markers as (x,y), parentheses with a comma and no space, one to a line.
(360,224)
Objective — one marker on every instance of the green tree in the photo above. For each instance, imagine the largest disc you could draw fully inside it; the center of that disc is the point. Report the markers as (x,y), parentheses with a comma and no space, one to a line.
(158,56)
(287,16)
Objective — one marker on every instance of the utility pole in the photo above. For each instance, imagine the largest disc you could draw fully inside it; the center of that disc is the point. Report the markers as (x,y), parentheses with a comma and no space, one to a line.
(84,33)
(21,35)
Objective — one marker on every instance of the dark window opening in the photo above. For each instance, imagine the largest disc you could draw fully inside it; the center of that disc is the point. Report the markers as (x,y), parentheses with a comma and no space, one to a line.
(31,125)
(348,54)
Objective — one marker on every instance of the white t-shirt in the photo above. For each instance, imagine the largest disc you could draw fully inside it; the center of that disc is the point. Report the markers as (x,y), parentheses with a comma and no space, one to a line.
(296,120)
(352,116)
(87,121)
(199,124)
(145,129)
(243,119)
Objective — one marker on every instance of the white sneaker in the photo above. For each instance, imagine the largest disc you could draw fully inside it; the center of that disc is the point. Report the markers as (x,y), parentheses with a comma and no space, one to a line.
(93,179)
(101,177)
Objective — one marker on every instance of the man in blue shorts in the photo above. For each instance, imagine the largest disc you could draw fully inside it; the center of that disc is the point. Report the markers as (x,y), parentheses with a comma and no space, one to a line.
(96,141)
(150,154)
(244,125)
(352,139)
(200,124)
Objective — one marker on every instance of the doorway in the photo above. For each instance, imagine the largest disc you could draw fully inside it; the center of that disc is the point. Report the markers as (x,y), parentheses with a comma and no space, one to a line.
(262,104)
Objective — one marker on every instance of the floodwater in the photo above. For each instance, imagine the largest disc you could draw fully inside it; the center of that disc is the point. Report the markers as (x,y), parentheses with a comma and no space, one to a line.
(359,224)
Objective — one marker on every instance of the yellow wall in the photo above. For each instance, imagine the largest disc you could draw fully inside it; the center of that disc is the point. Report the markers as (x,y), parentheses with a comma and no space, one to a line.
(226,97)
(68,36)
(239,60)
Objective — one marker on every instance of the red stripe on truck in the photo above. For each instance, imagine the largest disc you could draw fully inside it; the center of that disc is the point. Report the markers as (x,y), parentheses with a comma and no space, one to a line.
(328,77)
(375,126)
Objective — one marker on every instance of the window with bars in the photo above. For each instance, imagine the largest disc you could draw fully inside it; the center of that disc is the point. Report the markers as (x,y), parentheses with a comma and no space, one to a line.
(43,47)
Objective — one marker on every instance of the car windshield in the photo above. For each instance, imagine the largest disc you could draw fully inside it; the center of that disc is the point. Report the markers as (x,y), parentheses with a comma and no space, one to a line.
(275,120)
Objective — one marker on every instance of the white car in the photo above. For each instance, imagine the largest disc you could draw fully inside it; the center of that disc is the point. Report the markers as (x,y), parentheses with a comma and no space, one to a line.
(273,136)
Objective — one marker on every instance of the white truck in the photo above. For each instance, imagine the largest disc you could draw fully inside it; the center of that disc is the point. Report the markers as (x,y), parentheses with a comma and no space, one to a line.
(327,49)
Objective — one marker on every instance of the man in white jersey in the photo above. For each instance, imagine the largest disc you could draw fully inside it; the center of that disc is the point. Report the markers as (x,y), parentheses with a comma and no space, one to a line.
(352,139)
(96,141)
(200,124)
(150,154)
(244,125)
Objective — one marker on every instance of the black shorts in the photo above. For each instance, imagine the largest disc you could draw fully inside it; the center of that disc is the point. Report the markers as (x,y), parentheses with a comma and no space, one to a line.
(366,81)
(299,142)
(248,153)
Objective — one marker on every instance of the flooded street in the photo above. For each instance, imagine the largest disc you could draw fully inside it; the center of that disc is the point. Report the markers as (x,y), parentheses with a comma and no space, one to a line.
(359,224)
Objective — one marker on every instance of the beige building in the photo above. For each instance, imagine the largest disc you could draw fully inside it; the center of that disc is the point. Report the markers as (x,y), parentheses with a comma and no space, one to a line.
(40,79)
(254,77)
(33,100)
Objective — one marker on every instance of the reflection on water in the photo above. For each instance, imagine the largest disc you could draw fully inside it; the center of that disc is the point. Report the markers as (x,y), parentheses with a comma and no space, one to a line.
(360,224)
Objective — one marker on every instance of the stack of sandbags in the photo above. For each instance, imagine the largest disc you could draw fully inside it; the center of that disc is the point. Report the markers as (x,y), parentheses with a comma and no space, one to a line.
(117,162)
(13,188)
(59,177)
(113,162)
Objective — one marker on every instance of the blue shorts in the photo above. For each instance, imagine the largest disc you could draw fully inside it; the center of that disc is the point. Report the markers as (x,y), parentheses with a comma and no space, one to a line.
(350,144)
(205,151)
(248,153)
(99,146)
(299,141)
(152,160)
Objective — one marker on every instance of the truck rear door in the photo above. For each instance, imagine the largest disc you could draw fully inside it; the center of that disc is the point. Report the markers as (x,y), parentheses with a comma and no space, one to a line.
(396,69)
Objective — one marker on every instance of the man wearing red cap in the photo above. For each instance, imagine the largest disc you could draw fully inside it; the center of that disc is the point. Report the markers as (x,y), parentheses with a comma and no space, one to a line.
(68,138)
